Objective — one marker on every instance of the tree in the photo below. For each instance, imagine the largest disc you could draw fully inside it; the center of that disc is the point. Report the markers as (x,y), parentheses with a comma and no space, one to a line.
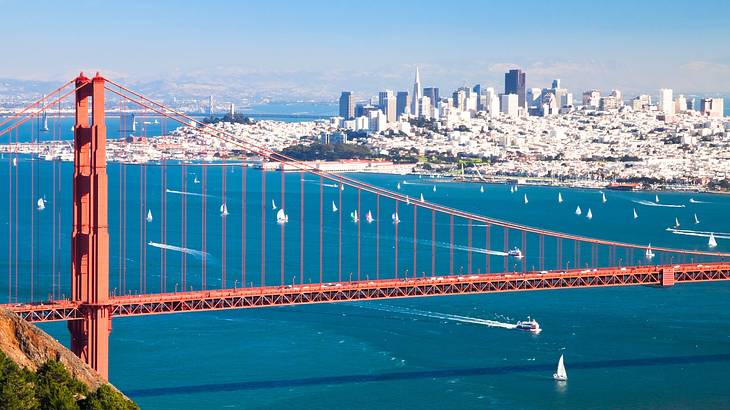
(105,398)
(56,389)
(16,387)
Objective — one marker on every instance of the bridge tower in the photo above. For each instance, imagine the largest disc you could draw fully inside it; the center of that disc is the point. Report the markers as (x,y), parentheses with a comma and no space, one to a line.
(90,236)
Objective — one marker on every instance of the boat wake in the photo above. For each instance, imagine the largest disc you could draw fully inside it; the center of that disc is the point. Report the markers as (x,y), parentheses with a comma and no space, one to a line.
(316,181)
(192,252)
(702,234)
(172,191)
(694,201)
(650,203)
(438,315)
(415,183)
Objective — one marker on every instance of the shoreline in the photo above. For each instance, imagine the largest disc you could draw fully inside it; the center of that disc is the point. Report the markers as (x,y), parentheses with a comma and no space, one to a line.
(435,177)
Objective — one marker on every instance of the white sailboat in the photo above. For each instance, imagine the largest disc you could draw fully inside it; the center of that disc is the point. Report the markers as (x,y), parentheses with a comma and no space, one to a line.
(369,217)
(676,222)
(196,180)
(649,254)
(578,211)
(408,201)
(696,219)
(273,205)
(149,215)
(224,209)
(434,188)
(560,198)
(15,162)
(656,198)
(603,197)
(334,207)
(635,214)
(526,201)
(589,215)
(512,189)
(282,217)
(560,374)
(398,186)
(481,189)
(712,242)
(41,204)
(395,218)
(354,217)
(342,187)
(422,198)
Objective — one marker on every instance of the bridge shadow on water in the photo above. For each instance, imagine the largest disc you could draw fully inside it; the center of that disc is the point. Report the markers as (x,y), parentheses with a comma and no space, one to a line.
(422,374)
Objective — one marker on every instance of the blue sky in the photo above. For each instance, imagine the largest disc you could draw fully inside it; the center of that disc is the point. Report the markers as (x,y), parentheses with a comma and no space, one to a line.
(369,45)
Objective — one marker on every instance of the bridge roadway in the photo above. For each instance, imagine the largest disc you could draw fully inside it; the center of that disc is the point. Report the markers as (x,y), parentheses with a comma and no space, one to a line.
(205,300)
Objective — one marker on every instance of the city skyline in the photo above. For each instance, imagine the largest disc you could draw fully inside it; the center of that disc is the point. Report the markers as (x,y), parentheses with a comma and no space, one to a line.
(685,51)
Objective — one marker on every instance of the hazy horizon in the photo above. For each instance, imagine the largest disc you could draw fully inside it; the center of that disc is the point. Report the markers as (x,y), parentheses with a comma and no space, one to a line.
(314,50)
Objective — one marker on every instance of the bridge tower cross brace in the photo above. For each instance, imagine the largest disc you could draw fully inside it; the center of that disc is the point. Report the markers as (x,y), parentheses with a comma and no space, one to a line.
(90,236)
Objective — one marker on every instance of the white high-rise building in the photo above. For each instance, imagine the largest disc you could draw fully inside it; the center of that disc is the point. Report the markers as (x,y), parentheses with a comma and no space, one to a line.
(387,102)
(666,102)
(492,101)
(680,104)
(417,94)
(424,107)
(510,105)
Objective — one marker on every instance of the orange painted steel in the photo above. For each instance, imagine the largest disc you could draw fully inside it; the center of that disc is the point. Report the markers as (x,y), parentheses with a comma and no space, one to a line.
(268,296)
(90,237)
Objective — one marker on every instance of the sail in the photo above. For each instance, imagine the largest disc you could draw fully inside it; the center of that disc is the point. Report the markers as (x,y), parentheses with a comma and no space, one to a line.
(41,204)
(273,205)
(394,217)
(578,211)
(635,214)
(334,207)
(422,198)
(353,216)
(649,253)
(281,216)
(560,198)
(481,189)
(512,189)
(603,197)
(656,198)
(589,215)
(526,201)
(149,215)
(434,188)
(224,209)
(369,217)
(398,186)
(560,373)
(676,222)
(712,242)
(696,219)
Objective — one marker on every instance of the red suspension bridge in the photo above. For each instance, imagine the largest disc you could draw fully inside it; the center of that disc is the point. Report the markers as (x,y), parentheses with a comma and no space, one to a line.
(420,251)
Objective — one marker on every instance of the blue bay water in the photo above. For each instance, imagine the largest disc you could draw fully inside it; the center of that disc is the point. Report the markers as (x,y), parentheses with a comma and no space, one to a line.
(624,347)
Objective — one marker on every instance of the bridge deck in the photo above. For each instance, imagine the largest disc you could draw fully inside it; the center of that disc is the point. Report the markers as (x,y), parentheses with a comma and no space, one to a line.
(206,300)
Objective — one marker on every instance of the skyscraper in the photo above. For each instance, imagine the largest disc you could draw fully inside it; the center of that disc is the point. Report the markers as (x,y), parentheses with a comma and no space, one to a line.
(433,94)
(666,101)
(402,103)
(387,103)
(416,95)
(514,83)
(210,106)
(347,105)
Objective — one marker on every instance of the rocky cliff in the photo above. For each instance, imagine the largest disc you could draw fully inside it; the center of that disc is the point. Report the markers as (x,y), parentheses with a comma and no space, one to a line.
(30,347)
